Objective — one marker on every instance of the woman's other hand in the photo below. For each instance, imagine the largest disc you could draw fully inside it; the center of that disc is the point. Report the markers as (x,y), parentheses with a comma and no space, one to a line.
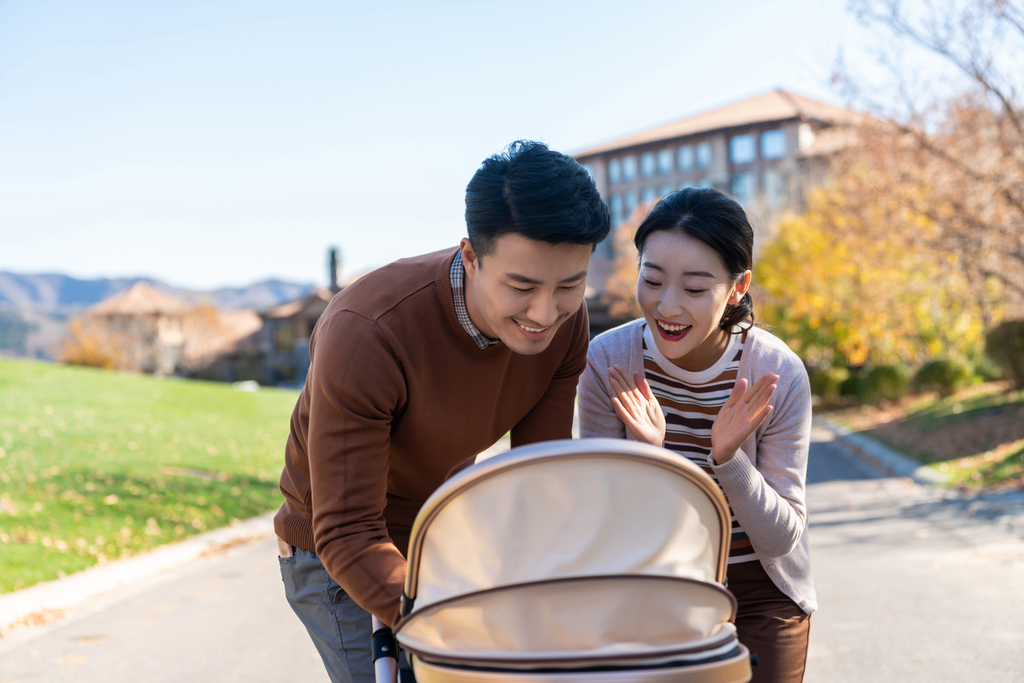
(743,412)
(637,407)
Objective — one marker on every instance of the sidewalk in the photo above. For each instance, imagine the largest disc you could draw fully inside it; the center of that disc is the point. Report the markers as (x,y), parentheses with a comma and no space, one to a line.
(52,601)
(1003,508)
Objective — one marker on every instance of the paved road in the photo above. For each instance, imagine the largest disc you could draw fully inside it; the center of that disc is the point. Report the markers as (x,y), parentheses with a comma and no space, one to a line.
(910,588)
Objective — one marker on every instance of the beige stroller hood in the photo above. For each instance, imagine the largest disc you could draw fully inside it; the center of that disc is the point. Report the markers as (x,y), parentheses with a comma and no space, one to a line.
(570,555)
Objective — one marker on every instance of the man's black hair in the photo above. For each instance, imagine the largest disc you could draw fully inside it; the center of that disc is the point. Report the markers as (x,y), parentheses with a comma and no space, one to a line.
(536,192)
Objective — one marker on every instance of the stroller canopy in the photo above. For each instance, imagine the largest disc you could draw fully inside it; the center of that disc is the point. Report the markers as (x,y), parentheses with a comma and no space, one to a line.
(583,549)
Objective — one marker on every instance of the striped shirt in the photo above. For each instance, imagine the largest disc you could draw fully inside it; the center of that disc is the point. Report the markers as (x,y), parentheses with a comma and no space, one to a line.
(691,401)
(457,276)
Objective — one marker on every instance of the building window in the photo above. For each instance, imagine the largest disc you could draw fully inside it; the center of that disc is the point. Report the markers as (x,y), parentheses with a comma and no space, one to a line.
(685,184)
(284,337)
(648,164)
(685,158)
(630,204)
(704,155)
(649,194)
(665,162)
(743,186)
(773,144)
(773,184)
(629,168)
(665,190)
(589,168)
(615,207)
(705,182)
(741,149)
(614,171)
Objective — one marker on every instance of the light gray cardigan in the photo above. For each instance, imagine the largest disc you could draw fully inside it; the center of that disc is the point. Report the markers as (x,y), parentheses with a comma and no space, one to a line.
(765,480)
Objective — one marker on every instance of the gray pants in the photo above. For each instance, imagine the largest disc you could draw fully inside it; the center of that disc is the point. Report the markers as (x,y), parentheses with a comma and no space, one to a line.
(340,629)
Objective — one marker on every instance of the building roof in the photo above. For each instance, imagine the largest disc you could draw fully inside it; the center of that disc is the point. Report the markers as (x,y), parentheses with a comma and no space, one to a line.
(224,337)
(777,105)
(317,300)
(140,299)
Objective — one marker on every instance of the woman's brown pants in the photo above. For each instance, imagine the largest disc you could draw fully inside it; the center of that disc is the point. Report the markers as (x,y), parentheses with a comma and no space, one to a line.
(771,625)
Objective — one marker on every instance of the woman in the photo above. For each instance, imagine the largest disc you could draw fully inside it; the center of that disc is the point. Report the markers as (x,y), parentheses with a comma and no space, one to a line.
(696,376)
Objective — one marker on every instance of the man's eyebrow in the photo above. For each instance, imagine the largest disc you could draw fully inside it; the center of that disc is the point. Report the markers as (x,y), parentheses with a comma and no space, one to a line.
(530,281)
(698,273)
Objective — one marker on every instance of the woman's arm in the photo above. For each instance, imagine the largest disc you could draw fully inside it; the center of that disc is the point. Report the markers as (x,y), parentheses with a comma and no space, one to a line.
(597,413)
(768,499)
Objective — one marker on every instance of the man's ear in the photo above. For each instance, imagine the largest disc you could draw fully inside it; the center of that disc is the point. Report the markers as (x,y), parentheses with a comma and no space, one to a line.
(740,288)
(470,260)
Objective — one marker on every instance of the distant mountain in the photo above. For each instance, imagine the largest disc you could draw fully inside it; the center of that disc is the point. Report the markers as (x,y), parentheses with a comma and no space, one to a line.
(52,293)
(259,296)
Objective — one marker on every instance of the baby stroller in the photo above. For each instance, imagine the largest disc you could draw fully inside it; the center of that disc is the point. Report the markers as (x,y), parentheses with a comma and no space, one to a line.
(597,560)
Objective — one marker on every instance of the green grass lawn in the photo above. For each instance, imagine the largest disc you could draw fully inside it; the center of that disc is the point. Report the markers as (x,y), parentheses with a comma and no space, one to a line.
(96,465)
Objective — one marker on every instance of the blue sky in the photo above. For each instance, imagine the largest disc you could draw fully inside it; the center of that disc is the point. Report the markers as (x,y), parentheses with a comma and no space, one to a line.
(218,142)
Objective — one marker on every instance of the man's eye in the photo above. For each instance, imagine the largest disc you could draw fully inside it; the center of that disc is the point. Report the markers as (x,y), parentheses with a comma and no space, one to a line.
(523,291)
(569,288)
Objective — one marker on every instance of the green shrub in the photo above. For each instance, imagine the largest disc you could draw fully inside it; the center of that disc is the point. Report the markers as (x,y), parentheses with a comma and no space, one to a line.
(1005,345)
(884,383)
(851,385)
(827,384)
(943,375)
(986,370)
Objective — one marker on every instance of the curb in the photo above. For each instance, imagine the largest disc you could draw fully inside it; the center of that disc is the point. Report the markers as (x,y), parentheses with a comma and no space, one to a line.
(47,602)
(880,457)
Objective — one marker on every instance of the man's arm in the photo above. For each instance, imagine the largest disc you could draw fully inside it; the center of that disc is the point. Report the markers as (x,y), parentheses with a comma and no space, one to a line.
(356,386)
(551,418)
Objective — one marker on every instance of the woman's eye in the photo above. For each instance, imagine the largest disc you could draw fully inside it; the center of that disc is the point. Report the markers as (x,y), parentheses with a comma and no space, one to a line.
(696,291)
(651,283)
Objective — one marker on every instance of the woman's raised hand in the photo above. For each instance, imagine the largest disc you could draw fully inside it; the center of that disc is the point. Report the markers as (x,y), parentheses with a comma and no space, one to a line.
(637,407)
(743,412)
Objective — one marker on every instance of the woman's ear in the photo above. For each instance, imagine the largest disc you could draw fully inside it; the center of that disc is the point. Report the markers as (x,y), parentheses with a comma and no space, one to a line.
(740,288)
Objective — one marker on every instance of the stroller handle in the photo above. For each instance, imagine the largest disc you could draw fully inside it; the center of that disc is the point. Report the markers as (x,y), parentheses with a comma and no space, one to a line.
(385,653)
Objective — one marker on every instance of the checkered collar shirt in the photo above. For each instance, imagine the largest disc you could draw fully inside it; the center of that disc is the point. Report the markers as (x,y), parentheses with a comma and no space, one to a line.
(457,275)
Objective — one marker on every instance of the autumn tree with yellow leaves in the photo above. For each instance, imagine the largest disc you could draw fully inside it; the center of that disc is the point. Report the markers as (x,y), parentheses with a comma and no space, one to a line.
(916,244)
(854,278)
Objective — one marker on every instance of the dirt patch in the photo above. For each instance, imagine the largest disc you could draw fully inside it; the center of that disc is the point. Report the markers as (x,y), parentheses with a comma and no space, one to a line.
(976,435)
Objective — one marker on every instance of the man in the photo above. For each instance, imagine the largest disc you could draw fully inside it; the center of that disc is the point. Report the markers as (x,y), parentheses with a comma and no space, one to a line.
(419,366)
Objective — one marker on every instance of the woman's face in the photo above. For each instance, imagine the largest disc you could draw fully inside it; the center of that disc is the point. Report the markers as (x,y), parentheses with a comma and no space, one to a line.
(683,290)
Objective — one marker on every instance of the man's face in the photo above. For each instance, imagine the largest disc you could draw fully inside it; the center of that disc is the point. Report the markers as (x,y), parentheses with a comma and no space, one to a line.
(524,290)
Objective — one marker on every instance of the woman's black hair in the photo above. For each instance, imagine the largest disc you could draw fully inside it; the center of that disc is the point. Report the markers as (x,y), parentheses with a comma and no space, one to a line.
(717,221)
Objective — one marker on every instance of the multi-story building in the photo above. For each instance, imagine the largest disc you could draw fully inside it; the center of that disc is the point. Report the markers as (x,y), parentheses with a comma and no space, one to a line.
(764,151)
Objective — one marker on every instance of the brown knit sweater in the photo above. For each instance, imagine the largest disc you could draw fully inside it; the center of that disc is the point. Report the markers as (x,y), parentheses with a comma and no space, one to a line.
(397,399)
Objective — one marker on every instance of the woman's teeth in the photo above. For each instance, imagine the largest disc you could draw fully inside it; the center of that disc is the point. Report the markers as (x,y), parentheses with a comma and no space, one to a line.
(672,329)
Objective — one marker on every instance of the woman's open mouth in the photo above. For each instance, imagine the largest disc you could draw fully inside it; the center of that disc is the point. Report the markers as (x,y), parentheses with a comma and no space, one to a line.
(672,331)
